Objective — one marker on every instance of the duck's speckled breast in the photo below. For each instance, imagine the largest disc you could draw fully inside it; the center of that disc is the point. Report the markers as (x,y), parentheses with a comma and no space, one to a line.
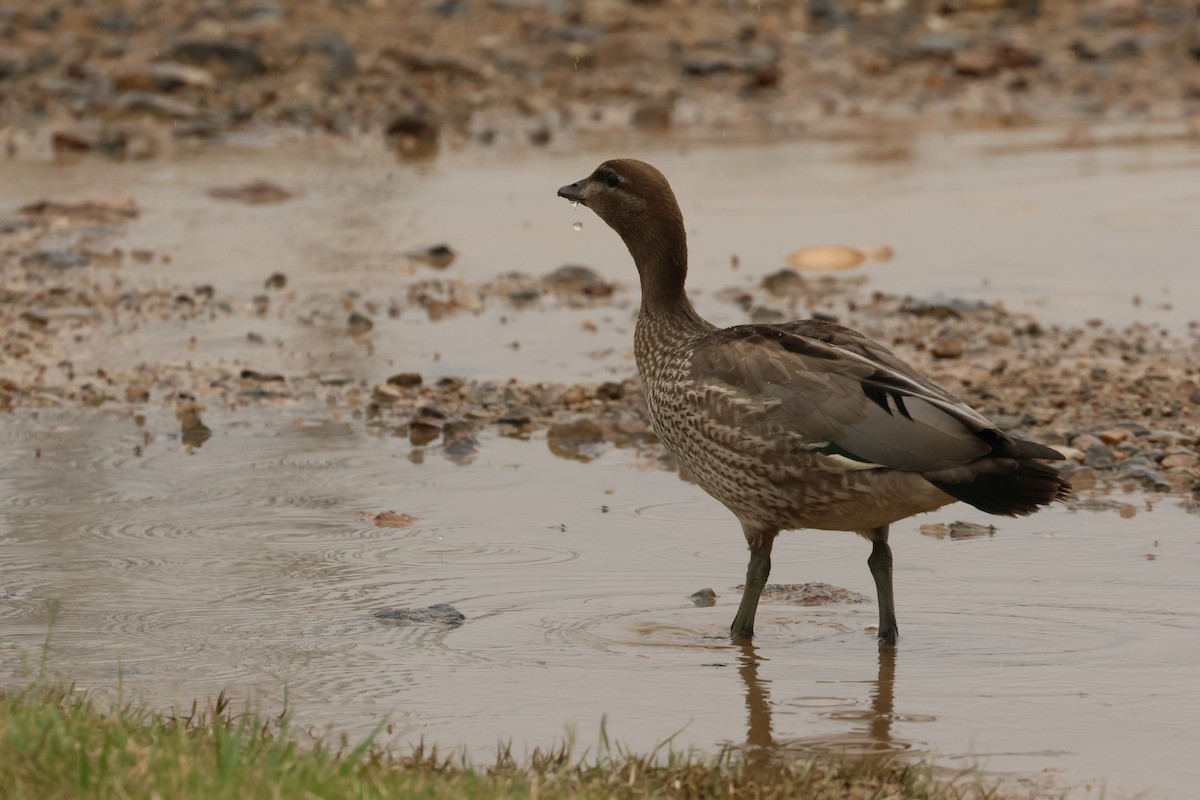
(769,484)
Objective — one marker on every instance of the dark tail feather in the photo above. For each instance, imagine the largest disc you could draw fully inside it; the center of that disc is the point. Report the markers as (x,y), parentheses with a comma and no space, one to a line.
(1012,494)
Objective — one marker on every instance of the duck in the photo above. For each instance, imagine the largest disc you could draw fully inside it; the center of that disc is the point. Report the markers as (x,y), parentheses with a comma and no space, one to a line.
(805,424)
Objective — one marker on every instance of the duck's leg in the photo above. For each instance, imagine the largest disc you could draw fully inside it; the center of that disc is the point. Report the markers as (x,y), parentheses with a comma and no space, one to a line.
(757,572)
(880,562)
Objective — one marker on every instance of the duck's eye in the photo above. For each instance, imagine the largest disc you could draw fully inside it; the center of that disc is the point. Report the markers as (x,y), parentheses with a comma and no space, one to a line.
(611,179)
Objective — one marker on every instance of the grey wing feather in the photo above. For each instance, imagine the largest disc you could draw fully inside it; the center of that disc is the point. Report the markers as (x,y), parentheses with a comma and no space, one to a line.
(808,384)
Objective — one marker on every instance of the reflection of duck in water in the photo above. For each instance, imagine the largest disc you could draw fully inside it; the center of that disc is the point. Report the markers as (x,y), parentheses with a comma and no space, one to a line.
(875,736)
(799,425)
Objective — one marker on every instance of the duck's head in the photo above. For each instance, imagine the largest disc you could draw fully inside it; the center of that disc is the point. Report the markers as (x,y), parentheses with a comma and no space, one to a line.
(637,202)
(633,197)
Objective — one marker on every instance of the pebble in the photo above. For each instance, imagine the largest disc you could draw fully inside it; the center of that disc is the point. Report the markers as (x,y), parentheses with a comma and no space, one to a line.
(359,324)
(575,279)
(438,256)
(439,614)
(1114,435)
(1180,460)
(579,439)
(948,347)
(235,60)
(255,192)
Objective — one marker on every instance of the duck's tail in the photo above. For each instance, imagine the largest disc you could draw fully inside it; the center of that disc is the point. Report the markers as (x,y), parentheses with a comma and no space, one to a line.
(1012,487)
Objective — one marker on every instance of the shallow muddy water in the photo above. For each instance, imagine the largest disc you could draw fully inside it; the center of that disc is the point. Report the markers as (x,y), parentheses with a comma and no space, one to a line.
(1061,648)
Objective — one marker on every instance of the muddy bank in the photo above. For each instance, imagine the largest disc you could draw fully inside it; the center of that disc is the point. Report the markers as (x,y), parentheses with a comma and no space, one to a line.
(134,81)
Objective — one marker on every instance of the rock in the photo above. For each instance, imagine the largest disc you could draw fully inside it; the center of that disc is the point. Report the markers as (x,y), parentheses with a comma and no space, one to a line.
(13,62)
(95,206)
(515,423)
(1096,453)
(1180,460)
(653,115)
(390,519)
(975,63)
(826,14)
(939,44)
(359,324)
(439,256)
(343,62)
(1114,435)
(405,380)
(703,598)
(948,347)
(56,259)
(233,59)
(193,432)
(134,103)
(276,280)
(784,283)
(459,444)
(941,307)
(602,14)
(575,279)
(580,439)
(257,192)
(610,390)
(123,140)
(162,76)
(426,425)
(114,20)
(439,614)
(1146,475)
(262,11)
(261,377)
(413,135)
(761,64)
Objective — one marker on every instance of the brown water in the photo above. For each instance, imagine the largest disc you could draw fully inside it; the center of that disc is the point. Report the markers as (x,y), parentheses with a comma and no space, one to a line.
(1062,647)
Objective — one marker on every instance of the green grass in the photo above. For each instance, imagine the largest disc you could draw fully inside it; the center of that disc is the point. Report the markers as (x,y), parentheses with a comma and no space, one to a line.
(58,743)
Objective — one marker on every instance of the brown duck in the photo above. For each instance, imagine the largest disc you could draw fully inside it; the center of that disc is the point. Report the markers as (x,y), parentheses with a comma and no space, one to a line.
(805,424)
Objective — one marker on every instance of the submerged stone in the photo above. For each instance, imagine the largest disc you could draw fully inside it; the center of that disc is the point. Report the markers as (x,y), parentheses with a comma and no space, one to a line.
(441,614)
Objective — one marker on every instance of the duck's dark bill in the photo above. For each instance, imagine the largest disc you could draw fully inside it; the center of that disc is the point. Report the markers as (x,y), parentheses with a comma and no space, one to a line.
(574,191)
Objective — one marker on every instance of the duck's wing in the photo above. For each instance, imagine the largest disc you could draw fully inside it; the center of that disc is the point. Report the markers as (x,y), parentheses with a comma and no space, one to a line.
(818,386)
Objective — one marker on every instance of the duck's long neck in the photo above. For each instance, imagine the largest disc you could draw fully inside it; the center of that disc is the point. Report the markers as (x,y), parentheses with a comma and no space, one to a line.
(660,253)
(667,324)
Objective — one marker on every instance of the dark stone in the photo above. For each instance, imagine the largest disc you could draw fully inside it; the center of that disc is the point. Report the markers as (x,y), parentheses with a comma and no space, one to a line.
(239,60)
(57,259)
(405,380)
(939,44)
(827,14)
(413,135)
(343,62)
(265,11)
(610,390)
(439,614)
(1145,474)
(114,20)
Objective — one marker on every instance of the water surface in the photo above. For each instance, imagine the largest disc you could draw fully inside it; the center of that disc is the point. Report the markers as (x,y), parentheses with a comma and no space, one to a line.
(1062,647)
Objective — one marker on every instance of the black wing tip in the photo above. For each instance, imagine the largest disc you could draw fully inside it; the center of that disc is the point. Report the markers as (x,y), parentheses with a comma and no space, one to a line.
(1023,491)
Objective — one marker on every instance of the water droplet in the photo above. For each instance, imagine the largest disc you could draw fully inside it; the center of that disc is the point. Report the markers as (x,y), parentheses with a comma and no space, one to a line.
(578,226)
(575,205)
